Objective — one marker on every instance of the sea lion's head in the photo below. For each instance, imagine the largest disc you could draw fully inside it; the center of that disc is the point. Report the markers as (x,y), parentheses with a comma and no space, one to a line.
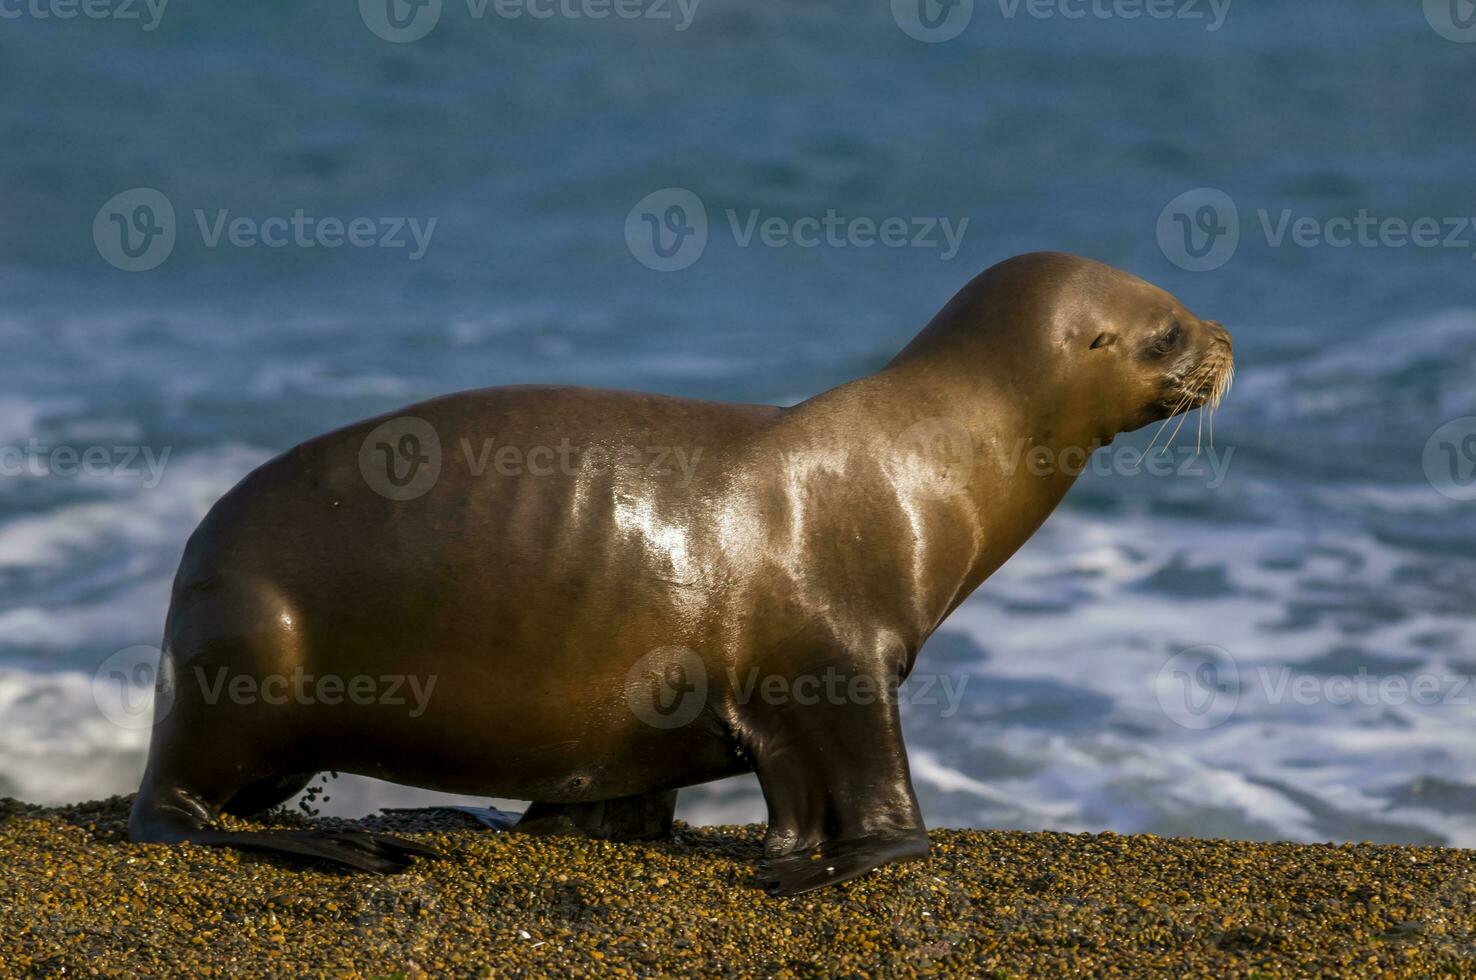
(1139,351)
(1092,349)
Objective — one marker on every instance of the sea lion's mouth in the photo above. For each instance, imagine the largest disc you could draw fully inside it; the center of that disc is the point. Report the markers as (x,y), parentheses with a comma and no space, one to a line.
(1206,383)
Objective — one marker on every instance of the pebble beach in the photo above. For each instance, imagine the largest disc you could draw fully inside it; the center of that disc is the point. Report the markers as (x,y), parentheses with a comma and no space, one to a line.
(77,898)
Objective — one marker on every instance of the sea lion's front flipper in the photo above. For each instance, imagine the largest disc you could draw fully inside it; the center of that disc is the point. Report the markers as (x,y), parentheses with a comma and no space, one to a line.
(836,861)
(835,777)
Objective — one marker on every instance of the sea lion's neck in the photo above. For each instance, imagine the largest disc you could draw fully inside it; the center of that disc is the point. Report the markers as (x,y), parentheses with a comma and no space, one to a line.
(1027,446)
(974,460)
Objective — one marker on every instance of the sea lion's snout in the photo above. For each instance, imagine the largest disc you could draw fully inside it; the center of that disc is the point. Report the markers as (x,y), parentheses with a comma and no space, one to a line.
(1218,337)
(1196,366)
(1210,379)
(1201,376)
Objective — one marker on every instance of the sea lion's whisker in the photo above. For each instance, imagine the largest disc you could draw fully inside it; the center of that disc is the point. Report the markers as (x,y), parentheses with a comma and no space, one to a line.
(1205,384)
(1172,412)
(1225,377)
(1161,426)
(1170,444)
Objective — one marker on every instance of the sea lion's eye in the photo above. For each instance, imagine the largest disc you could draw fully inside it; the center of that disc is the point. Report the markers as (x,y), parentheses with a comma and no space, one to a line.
(1169,340)
(1104,340)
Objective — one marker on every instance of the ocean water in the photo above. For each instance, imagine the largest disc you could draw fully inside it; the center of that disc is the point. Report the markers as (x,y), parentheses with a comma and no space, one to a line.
(1236,648)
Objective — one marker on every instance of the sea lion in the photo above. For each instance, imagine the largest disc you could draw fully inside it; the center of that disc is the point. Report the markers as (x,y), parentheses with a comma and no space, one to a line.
(594,630)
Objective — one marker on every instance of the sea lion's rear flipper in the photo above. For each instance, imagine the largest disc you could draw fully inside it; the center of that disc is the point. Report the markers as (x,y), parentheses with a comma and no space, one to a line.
(174,816)
(628,818)
(487,816)
(360,850)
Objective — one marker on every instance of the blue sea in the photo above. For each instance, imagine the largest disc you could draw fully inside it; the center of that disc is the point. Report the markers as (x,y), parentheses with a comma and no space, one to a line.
(1274,638)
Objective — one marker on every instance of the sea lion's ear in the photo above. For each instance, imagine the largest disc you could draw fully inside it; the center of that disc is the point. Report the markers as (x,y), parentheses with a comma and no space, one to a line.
(1104,340)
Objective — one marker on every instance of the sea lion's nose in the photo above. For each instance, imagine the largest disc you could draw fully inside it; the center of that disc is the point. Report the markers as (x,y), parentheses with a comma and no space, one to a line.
(1218,332)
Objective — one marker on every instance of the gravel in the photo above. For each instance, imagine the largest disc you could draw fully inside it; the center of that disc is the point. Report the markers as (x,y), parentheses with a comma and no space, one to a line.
(77,898)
